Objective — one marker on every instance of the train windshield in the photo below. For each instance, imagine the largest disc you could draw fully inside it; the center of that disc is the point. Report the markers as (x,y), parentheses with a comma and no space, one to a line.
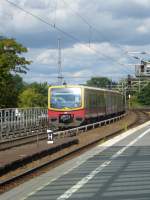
(62,98)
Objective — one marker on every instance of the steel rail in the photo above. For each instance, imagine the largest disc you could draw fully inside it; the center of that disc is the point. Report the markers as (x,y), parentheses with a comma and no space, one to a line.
(77,130)
(65,133)
(60,134)
(40,133)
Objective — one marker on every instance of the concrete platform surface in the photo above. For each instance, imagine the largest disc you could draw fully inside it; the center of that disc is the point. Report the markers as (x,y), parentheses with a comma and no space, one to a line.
(117,169)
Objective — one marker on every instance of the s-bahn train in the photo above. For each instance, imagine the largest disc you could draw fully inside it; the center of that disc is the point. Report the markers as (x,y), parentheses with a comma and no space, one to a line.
(73,105)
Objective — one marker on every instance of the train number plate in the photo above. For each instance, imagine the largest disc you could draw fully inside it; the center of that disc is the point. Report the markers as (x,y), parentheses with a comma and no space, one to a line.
(65,118)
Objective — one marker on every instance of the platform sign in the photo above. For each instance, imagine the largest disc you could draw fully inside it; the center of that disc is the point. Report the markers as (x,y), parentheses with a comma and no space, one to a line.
(50,136)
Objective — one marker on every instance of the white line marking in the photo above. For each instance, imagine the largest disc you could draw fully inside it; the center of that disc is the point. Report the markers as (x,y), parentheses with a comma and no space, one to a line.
(87,178)
(104,146)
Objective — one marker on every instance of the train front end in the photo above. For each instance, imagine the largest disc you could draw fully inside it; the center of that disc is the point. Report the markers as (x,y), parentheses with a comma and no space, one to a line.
(66,106)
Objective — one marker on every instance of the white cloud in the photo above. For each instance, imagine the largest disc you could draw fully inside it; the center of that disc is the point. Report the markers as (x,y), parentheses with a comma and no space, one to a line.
(77,62)
(80,55)
(144,27)
(142,3)
(121,25)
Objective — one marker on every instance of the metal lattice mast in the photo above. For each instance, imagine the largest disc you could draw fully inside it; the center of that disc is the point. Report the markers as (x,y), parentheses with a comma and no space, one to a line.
(60,77)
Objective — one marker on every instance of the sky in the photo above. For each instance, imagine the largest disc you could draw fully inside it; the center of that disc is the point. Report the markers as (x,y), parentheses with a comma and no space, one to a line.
(95,36)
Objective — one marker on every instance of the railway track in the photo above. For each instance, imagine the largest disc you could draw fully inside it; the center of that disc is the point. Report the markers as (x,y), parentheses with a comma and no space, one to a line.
(36,168)
(14,142)
(142,117)
(41,133)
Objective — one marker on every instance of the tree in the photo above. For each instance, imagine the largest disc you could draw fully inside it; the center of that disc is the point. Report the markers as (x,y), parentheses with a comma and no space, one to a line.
(13,86)
(31,98)
(19,83)
(10,59)
(40,87)
(35,95)
(102,82)
(41,90)
(11,62)
(144,96)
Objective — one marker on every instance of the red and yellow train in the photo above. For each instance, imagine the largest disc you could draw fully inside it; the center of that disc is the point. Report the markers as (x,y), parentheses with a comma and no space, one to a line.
(73,105)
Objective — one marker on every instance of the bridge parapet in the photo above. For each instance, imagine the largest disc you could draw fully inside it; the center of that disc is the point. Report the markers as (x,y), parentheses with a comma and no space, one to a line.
(14,121)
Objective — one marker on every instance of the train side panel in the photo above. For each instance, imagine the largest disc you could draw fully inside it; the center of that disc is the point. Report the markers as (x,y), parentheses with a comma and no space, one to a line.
(94,103)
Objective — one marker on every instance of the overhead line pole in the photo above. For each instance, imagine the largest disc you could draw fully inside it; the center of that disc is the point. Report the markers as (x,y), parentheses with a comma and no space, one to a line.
(60,77)
(64,32)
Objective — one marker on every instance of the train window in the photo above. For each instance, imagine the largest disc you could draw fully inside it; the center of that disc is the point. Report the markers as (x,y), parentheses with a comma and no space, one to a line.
(100,100)
(94,100)
(103,100)
(65,98)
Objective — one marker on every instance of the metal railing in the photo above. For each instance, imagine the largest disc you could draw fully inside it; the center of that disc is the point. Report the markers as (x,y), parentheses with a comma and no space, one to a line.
(17,122)
(80,129)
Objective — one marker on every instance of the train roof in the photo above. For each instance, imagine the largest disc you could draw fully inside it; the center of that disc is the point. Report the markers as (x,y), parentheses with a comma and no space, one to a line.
(85,87)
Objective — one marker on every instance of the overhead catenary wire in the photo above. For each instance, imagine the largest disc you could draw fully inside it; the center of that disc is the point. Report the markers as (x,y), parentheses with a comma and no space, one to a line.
(86,21)
(91,27)
(84,77)
(55,17)
(54,26)
(90,35)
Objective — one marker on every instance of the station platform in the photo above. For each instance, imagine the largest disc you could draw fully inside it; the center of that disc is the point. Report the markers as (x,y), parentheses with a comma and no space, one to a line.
(20,153)
(116,169)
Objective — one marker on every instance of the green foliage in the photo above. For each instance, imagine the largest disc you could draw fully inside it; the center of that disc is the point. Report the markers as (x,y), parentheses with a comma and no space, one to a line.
(19,83)
(133,101)
(8,93)
(10,59)
(10,90)
(29,98)
(40,87)
(11,62)
(144,96)
(35,95)
(102,82)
